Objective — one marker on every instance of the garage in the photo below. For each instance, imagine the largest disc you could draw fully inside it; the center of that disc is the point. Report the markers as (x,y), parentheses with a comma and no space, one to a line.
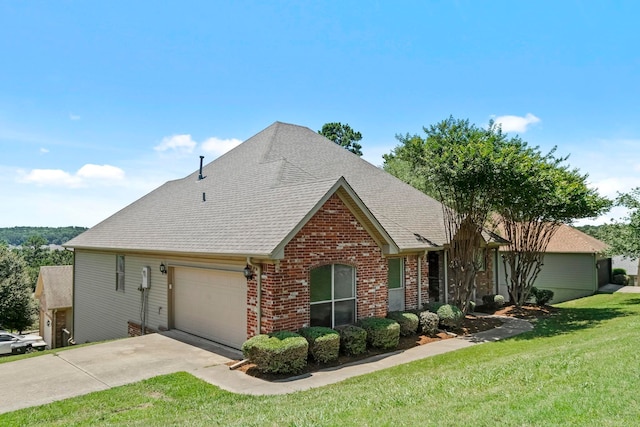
(211,304)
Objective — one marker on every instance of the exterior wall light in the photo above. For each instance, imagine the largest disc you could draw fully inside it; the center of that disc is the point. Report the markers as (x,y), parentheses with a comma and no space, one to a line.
(163,268)
(248,272)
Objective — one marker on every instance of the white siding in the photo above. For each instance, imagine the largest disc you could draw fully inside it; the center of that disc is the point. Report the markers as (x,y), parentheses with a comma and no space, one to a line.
(569,276)
(101,312)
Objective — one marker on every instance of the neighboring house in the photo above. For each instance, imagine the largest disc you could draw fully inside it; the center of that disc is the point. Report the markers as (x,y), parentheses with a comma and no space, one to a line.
(631,266)
(326,238)
(54,292)
(574,266)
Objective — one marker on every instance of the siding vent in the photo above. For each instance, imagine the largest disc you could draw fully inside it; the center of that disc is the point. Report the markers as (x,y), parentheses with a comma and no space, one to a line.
(204,197)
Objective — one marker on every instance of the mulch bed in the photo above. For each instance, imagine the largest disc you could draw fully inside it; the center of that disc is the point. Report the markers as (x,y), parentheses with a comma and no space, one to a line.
(471,324)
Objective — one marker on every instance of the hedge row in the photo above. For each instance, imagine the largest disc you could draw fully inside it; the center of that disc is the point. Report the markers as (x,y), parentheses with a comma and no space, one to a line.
(287,352)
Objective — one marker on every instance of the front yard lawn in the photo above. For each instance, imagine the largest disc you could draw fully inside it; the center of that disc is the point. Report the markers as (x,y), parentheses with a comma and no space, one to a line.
(579,367)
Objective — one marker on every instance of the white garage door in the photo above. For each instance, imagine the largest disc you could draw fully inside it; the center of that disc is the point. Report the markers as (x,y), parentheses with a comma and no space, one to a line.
(211,304)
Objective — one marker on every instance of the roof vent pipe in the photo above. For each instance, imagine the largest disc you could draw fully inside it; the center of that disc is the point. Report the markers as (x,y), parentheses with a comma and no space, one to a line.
(200,175)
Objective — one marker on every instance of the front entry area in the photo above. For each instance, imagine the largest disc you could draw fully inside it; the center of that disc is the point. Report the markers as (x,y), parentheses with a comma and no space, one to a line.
(211,304)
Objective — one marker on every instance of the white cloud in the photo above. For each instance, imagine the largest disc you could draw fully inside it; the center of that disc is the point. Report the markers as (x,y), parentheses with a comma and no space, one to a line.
(43,150)
(73,116)
(516,123)
(104,172)
(218,147)
(52,177)
(179,143)
(84,177)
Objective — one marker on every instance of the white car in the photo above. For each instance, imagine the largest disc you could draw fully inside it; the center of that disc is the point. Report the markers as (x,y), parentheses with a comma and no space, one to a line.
(18,344)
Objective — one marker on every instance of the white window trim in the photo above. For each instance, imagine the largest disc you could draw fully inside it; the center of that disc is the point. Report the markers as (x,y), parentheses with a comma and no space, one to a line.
(402,274)
(333,299)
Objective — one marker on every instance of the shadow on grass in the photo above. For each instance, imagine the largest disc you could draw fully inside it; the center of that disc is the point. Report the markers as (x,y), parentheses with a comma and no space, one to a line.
(568,320)
(631,301)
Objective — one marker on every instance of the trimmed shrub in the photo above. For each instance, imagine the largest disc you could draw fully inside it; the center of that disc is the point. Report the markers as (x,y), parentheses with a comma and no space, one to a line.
(280,352)
(541,296)
(617,270)
(381,333)
(324,343)
(450,316)
(433,306)
(492,301)
(408,322)
(429,323)
(353,340)
(620,279)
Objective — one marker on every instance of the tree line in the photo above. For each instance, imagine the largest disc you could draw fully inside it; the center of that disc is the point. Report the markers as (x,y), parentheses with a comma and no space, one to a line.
(16,236)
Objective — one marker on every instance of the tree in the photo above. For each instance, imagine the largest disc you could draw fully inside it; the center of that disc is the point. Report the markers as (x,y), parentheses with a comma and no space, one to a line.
(624,236)
(343,135)
(17,307)
(480,174)
(458,164)
(35,254)
(537,196)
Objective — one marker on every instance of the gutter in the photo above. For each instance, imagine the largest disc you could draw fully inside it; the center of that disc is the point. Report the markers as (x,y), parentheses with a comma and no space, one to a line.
(259,293)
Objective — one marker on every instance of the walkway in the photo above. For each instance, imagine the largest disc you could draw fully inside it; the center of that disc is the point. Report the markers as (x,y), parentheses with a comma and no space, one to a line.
(239,382)
(612,289)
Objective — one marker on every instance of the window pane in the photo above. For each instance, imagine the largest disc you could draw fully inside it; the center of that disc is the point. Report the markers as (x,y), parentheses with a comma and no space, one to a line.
(345,312)
(321,314)
(321,283)
(395,273)
(343,281)
(120,264)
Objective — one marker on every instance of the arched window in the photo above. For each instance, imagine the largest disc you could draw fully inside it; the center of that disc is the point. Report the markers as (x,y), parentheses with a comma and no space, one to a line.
(333,295)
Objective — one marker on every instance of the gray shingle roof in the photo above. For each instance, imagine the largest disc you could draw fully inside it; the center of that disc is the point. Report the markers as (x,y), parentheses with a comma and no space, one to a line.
(260,191)
(56,283)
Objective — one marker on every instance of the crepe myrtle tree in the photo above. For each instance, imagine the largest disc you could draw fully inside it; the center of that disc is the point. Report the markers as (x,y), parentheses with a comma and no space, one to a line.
(539,193)
(457,163)
(484,178)
(343,135)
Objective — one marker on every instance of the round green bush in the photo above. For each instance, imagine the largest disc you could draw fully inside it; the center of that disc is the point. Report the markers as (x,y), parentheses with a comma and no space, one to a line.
(408,322)
(542,296)
(353,340)
(324,343)
(450,316)
(433,306)
(381,333)
(498,300)
(280,352)
(429,323)
(620,279)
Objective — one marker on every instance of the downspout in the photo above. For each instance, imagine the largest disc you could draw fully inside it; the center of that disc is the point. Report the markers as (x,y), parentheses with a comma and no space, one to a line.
(497,273)
(420,282)
(446,278)
(595,271)
(258,293)
(53,329)
(258,308)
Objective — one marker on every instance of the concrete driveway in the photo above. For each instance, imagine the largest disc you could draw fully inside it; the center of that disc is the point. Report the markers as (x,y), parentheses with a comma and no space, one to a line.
(82,370)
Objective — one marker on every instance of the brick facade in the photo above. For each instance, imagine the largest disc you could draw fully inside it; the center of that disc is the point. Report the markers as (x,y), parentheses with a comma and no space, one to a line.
(332,235)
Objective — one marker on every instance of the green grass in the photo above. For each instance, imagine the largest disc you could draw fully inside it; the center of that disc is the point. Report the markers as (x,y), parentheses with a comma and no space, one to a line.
(581,367)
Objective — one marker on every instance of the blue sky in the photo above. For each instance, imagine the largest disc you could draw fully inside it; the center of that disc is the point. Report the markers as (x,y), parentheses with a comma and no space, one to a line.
(100,102)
